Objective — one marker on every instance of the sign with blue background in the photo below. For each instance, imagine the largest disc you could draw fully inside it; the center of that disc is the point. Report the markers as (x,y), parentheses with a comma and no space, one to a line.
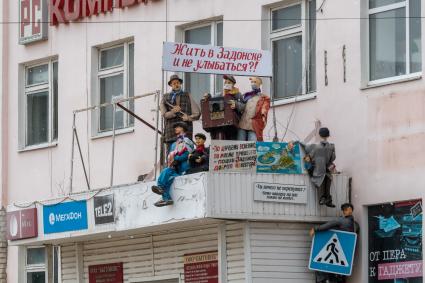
(273,157)
(333,252)
(63,217)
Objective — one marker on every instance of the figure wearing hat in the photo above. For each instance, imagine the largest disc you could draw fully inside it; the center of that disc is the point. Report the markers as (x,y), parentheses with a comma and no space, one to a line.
(254,117)
(177,164)
(236,103)
(321,157)
(178,106)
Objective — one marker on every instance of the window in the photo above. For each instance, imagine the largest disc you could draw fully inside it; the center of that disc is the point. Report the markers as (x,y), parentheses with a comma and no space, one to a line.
(37,265)
(293,44)
(394,38)
(198,84)
(41,103)
(115,81)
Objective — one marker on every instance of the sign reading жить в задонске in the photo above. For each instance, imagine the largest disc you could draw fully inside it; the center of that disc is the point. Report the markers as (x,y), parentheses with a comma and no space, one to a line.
(207,59)
(280,193)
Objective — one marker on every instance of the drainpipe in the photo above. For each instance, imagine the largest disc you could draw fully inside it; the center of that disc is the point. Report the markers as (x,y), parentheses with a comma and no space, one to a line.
(4,82)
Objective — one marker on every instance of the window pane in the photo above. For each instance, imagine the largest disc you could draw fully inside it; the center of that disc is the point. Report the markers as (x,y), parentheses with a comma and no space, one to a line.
(55,100)
(198,35)
(38,75)
(36,256)
(287,63)
(112,57)
(131,81)
(387,44)
(197,84)
(286,17)
(312,46)
(415,36)
(36,277)
(110,88)
(379,3)
(37,118)
(219,79)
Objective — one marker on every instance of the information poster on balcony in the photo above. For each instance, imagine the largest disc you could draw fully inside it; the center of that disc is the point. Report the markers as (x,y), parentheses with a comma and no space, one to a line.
(195,58)
(395,242)
(232,156)
(280,193)
(201,267)
(277,158)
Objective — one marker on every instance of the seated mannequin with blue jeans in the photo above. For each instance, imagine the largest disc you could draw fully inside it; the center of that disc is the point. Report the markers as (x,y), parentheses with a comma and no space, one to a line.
(177,164)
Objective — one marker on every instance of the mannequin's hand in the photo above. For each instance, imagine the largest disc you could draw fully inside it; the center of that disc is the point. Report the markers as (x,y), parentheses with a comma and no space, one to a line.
(185,117)
(311,232)
(232,104)
(176,109)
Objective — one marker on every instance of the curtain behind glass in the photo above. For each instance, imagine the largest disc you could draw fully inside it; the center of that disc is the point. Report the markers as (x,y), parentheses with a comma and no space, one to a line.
(37,118)
(110,87)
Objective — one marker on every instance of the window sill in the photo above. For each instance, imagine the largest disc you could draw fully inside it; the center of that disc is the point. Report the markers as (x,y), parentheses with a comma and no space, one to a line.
(38,146)
(396,80)
(291,100)
(109,134)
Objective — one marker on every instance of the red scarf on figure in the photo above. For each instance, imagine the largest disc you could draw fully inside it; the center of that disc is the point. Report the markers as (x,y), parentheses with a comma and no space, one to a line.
(200,148)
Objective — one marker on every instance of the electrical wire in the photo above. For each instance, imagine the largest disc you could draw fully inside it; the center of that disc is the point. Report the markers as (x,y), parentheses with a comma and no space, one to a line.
(224,20)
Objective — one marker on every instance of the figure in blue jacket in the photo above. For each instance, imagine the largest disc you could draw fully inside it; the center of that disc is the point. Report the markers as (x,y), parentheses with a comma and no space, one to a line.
(177,164)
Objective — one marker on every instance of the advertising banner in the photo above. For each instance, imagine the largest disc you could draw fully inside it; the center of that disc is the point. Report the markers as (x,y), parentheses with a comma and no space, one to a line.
(201,267)
(395,242)
(275,157)
(232,156)
(63,217)
(195,58)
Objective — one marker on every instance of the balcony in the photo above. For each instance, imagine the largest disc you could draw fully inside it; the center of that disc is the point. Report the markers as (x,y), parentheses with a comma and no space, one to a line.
(199,198)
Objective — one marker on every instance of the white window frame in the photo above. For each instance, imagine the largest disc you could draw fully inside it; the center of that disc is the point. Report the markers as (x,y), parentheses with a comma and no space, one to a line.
(110,72)
(35,88)
(36,267)
(394,79)
(213,40)
(288,32)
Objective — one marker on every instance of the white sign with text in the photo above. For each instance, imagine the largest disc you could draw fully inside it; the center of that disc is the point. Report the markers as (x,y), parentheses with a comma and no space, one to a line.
(280,193)
(207,59)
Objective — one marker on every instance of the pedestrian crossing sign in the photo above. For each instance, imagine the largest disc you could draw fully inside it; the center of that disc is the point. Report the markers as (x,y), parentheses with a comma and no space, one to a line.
(332,251)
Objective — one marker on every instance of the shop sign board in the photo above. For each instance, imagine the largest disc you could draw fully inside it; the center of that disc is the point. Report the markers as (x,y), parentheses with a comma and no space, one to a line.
(280,193)
(33,19)
(106,273)
(208,59)
(104,210)
(22,224)
(63,217)
(201,267)
(395,242)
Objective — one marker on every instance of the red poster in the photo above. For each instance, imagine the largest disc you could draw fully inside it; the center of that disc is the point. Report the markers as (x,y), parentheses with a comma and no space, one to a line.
(106,273)
(201,268)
